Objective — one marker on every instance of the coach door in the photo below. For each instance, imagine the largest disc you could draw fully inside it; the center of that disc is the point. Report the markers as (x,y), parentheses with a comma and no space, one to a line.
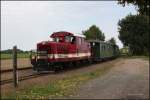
(95,49)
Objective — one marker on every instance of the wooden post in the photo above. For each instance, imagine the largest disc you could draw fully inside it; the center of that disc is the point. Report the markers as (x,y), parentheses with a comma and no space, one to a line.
(15,76)
(31,53)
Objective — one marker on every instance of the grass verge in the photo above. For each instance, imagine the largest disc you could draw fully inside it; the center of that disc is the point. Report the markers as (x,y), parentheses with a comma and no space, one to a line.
(58,89)
(133,57)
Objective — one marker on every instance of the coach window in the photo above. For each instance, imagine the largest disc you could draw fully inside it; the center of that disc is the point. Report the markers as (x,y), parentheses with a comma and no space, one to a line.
(104,48)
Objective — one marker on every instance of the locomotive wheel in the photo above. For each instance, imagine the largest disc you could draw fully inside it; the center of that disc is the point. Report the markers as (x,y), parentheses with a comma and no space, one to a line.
(57,69)
(38,70)
(74,64)
(90,61)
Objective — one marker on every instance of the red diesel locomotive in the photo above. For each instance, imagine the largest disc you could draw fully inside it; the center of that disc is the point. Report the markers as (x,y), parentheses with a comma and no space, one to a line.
(66,47)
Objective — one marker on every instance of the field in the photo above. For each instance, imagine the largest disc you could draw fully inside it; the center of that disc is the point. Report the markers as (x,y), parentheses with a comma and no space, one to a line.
(7,64)
(23,61)
(19,55)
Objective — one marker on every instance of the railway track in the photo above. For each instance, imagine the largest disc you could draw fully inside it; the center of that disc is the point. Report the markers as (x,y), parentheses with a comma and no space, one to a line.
(34,75)
(23,74)
(2,82)
(27,73)
(9,70)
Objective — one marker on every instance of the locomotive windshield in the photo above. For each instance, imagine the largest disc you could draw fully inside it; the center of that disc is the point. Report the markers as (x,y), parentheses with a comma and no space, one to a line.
(70,39)
(57,39)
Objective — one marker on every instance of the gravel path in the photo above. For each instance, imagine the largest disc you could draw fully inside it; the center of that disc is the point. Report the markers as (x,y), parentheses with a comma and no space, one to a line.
(129,79)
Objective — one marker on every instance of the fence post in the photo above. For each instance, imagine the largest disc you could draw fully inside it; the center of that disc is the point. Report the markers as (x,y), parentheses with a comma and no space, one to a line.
(30,55)
(15,76)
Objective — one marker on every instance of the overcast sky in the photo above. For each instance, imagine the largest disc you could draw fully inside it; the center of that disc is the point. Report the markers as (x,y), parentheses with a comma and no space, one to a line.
(24,23)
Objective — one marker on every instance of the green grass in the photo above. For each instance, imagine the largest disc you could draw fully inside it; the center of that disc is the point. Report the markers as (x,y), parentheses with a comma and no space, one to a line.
(133,57)
(142,57)
(19,55)
(57,89)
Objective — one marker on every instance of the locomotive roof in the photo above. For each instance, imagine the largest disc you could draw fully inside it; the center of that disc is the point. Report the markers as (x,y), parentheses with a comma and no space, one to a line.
(64,33)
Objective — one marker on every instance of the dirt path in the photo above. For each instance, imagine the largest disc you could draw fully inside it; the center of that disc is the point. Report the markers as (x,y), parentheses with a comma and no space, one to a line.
(128,79)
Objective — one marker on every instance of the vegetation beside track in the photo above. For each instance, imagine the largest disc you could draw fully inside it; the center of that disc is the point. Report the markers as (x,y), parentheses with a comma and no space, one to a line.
(58,89)
(133,57)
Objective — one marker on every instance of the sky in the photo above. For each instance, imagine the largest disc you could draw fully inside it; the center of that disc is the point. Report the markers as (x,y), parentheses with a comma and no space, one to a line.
(25,23)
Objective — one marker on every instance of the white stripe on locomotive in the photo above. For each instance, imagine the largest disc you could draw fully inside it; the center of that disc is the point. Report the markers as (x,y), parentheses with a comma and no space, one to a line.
(72,55)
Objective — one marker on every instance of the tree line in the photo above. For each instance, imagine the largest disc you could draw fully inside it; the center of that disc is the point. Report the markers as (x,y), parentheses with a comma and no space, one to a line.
(9,51)
(134,29)
(95,33)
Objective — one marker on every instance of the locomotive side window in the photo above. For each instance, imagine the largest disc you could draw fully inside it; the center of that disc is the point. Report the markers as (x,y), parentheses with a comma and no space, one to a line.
(70,39)
(67,38)
(104,47)
(73,40)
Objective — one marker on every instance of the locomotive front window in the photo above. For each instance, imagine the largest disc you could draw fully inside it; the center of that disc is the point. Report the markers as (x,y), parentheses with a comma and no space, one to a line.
(56,39)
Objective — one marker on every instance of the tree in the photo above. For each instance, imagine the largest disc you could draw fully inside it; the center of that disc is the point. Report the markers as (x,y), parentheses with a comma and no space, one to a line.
(112,40)
(134,32)
(94,33)
(143,5)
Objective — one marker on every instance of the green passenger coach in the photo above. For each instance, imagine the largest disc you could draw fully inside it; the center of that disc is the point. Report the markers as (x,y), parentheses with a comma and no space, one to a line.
(102,50)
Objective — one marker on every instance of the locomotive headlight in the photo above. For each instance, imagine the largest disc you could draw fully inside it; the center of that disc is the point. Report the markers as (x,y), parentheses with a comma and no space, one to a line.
(38,57)
(33,57)
(93,44)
